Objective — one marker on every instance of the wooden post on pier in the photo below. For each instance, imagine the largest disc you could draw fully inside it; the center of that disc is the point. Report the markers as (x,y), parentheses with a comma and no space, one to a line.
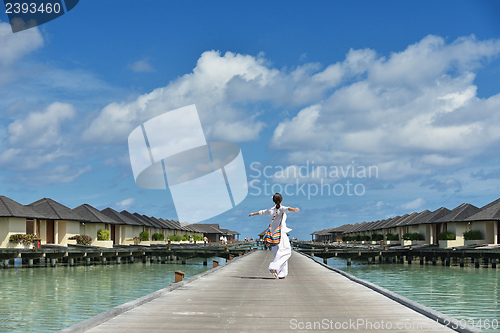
(493,263)
(205,263)
(231,257)
(179,276)
(348,261)
(215,263)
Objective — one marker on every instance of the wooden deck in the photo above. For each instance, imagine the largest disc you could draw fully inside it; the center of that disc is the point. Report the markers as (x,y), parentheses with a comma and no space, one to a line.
(243,296)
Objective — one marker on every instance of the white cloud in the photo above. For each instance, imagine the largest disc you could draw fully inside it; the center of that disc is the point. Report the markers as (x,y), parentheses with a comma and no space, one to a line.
(15,46)
(409,112)
(219,85)
(39,139)
(415,204)
(124,204)
(41,129)
(141,66)
(60,174)
(18,159)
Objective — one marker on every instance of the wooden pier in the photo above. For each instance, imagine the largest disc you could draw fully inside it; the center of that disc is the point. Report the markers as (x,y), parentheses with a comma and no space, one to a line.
(478,257)
(243,296)
(87,255)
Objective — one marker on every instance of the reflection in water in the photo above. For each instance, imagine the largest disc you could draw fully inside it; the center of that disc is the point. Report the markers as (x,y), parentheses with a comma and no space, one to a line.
(463,293)
(47,299)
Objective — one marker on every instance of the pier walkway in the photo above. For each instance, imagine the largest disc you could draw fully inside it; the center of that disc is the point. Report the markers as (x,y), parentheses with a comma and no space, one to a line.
(243,296)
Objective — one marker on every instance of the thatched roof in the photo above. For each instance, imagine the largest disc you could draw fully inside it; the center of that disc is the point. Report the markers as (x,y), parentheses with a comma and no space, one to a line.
(393,222)
(110,212)
(460,213)
(432,217)
(489,212)
(53,210)
(11,208)
(93,215)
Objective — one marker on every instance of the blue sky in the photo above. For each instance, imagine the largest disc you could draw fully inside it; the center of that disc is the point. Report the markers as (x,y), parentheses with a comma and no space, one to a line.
(410,88)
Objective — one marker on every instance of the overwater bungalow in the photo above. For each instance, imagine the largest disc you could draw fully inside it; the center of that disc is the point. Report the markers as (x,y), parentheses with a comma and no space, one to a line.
(97,221)
(209,230)
(232,236)
(166,229)
(17,219)
(455,223)
(129,228)
(173,228)
(156,226)
(463,218)
(53,223)
(145,225)
(431,226)
(416,225)
(323,235)
(60,224)
(486,221)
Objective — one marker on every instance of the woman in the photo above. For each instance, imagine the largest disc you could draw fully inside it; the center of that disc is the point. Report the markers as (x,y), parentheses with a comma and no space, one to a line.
(276,236)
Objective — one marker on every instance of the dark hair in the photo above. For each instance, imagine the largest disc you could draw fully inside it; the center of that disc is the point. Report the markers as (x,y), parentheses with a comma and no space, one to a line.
(277,198)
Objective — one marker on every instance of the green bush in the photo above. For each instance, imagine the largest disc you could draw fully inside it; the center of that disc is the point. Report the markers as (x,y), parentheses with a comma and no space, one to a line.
(174,238)
(365,238)
(473,235)
(391,237)
(417,236)
(446,235)
(103,235)
(377,237)
(158,237)
(185,237)
(414,236)
(26,239)
(198,238)
(144,236)
(356,238)
(82,239)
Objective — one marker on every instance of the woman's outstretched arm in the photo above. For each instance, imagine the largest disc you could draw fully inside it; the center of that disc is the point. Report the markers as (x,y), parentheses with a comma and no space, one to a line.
(290,209)
(253,214)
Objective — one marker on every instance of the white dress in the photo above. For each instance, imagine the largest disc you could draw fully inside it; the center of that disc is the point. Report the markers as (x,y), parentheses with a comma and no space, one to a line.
(283,250)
